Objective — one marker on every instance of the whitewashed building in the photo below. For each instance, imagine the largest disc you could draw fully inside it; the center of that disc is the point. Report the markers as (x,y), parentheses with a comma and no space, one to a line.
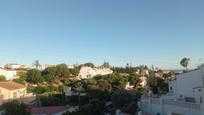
(9,74)
(88,72)
(185,97)
(70,66)
(143,81)
(13,66)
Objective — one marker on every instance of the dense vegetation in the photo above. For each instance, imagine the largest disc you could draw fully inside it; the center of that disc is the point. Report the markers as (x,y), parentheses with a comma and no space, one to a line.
(14,108)
(104,94)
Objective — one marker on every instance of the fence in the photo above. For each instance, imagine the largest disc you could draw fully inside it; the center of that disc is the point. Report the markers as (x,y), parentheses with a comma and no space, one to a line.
(164,106)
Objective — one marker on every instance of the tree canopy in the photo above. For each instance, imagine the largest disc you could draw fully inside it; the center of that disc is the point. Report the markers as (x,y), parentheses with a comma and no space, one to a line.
(62,71)
(157,85)
(36,64)
(95,107)
(2,78)
(185,62)
(134,79)
(89,64)
(14,108)
(34,76)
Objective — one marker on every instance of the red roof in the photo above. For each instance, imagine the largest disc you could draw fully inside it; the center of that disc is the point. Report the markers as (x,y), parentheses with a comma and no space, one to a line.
(10,85)
(48,110)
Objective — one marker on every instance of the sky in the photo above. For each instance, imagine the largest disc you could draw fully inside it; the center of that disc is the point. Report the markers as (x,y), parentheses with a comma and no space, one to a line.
(158,32)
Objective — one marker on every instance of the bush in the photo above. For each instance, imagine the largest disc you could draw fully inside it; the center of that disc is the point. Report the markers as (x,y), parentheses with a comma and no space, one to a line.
(20,80)
(40,90)
(2,78)
(14,108)
(53,100)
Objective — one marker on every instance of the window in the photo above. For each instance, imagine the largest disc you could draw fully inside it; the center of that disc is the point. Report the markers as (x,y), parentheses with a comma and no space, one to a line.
(201,100)
(15,95)
(22,92)
(190,99)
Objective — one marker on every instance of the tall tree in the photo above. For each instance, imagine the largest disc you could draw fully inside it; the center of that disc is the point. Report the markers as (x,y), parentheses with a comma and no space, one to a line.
(89,64)
(79,86)
(185,62)
(50,71)
(62,71)
(104,85)
(157,85)
(134,79)
(106,64)
(34,76)
(36,64)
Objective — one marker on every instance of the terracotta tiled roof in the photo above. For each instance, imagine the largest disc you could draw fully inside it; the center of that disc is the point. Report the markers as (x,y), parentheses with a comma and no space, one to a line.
(11,85)
(48,110)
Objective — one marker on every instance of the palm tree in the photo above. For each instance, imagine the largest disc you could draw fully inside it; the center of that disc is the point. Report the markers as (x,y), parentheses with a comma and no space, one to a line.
(185,62)
(79,87)
(36,64)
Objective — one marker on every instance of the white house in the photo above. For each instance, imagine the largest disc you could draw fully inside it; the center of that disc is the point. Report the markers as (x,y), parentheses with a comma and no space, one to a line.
(143,81)
(10,90)
(14,66)
(9,74)
(45,66)
(88,72)
(70,66)
(185,97)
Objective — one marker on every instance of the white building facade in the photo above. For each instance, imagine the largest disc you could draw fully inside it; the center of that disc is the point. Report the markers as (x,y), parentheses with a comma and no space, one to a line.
(185,97)
(15,66)
(9,74)
(88,72)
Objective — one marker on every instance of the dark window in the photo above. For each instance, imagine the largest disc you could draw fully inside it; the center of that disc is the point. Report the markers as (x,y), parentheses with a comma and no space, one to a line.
(190,99)
(201,100)
(15,95)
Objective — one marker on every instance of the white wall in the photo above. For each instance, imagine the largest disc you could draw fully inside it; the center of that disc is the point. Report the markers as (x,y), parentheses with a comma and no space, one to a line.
(9,74)
(88,72)
(155,106)
(190,84)
(186,82)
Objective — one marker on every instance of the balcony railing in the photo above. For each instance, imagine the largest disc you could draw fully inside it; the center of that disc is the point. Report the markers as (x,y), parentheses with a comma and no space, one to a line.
(163,102)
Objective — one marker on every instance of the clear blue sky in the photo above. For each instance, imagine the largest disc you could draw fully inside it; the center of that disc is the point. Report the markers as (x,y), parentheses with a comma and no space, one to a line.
(158,32)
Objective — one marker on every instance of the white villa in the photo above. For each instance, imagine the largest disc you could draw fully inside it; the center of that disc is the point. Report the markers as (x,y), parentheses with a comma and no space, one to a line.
(45,66)
(185,97)
(88,72)
(9,74)
(144,81)
(13,66)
